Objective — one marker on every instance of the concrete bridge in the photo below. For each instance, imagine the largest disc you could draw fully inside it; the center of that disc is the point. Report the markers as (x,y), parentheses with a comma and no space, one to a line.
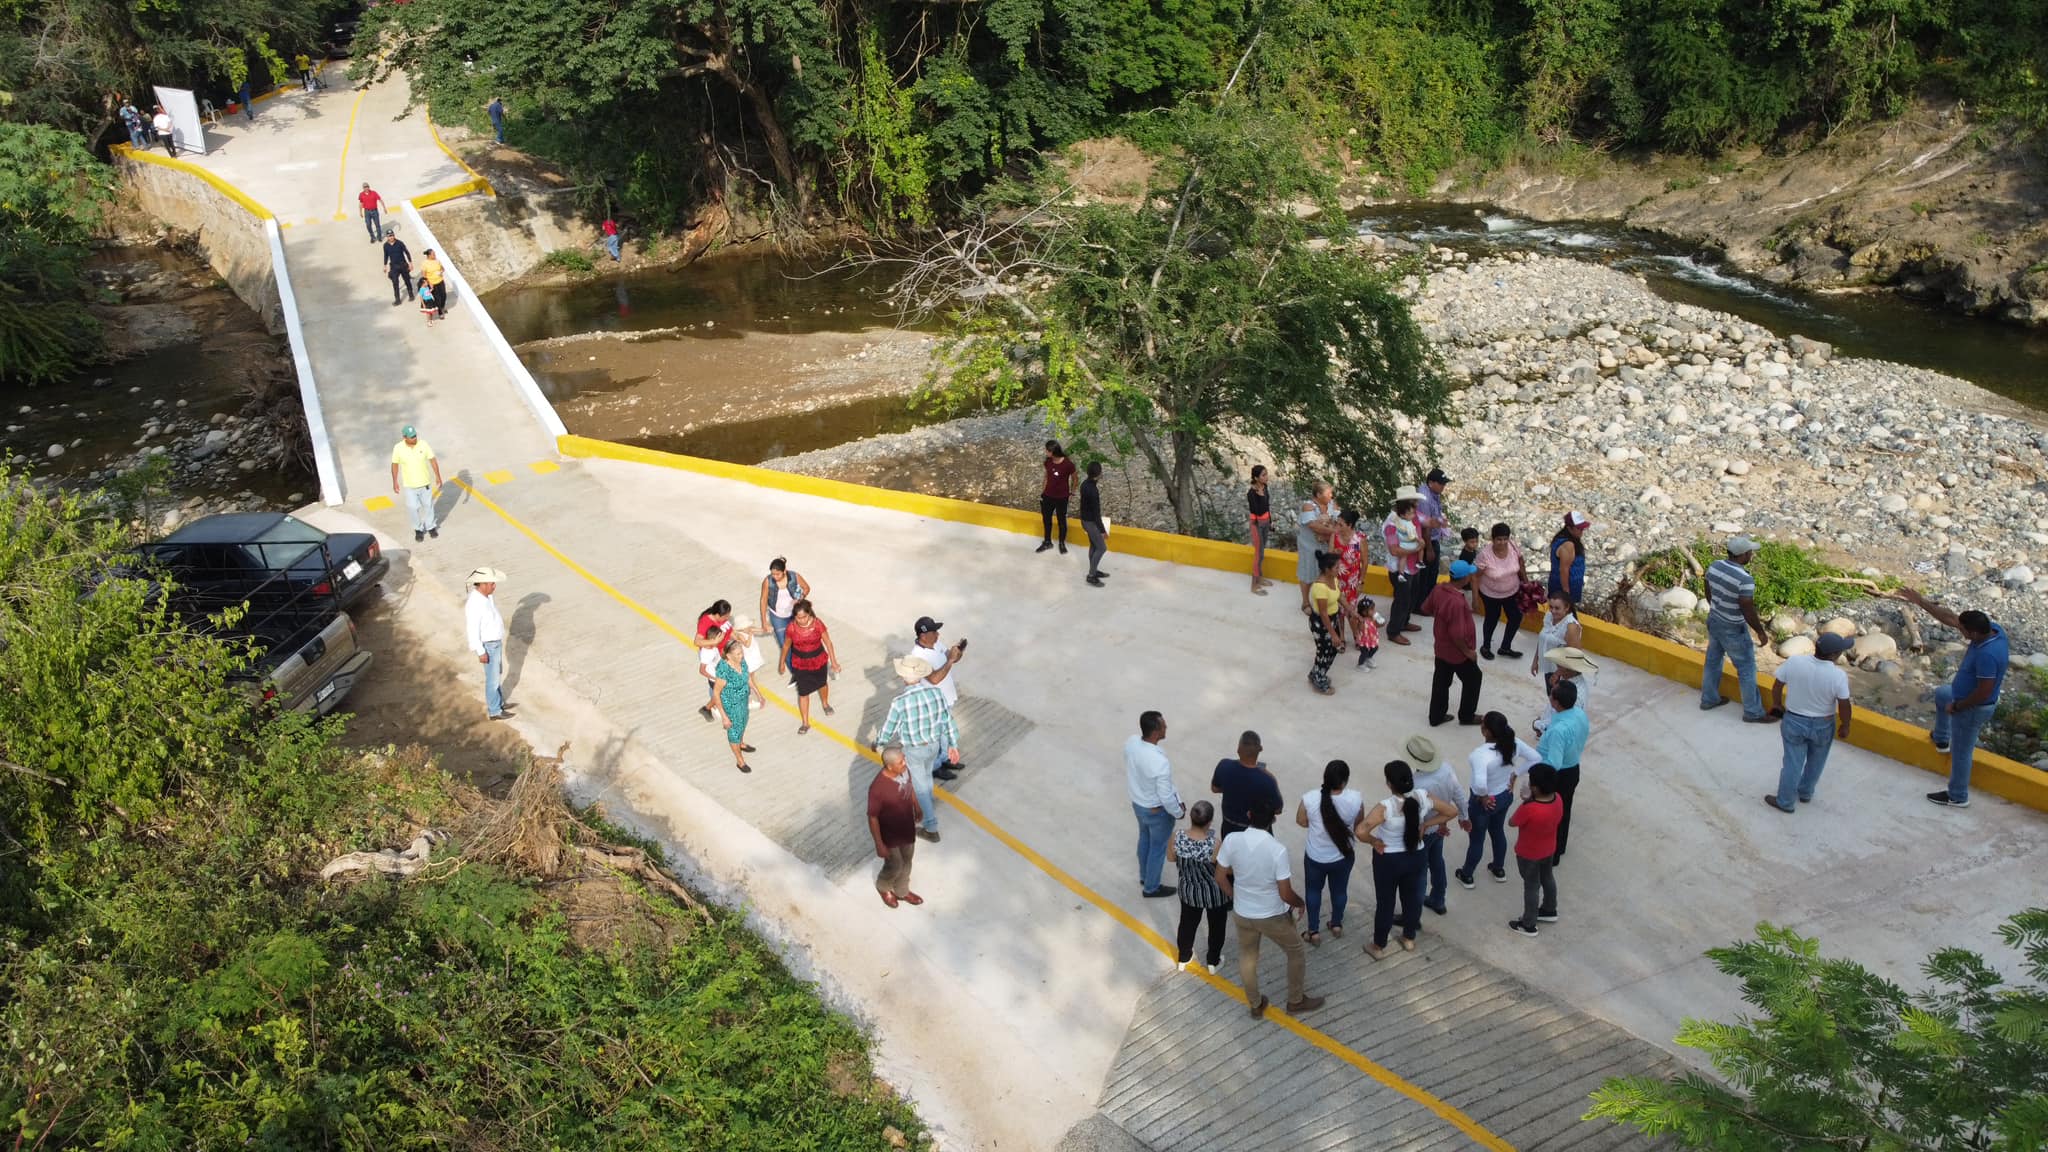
(1031,1002)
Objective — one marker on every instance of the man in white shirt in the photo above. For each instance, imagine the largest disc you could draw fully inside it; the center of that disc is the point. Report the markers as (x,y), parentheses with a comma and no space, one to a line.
(1251,868)
(486,631)
(1435,777)
(1149,778)
(1812,694)
(927,649)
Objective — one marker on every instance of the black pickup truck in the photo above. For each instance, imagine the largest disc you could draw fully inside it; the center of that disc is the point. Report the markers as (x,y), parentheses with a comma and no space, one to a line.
(268,560)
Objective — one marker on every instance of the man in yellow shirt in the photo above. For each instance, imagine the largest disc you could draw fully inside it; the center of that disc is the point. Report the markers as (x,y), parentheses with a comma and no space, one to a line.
(431,273)
(416,475)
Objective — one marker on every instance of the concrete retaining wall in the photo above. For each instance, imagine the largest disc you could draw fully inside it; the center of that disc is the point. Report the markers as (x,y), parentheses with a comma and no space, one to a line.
(230,234)
(500,238)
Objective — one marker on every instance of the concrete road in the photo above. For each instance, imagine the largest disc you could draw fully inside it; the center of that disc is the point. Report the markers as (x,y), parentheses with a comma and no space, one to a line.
(1028,992)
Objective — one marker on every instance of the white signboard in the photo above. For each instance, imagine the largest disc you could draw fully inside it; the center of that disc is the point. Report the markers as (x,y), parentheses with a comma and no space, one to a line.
(187,134)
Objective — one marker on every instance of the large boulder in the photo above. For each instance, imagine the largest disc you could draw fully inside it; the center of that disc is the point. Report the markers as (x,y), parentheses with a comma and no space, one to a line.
(1788,623)
(1873,647)
(1677,601)
(1840,626)
(1792,646)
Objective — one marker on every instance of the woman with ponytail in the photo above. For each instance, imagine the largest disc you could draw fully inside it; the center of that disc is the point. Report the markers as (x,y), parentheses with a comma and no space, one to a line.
(1395,827)
(1326,608)
(1495,766)
(1328,813)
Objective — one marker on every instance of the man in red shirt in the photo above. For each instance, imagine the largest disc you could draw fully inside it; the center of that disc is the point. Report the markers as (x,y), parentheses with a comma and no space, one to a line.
(610,228)
(1536,823)
(371,206)
(893,818)
(1457,647)
(1052,499)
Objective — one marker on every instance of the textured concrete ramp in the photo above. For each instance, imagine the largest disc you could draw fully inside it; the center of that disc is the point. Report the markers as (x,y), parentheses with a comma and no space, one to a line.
(1195,1069)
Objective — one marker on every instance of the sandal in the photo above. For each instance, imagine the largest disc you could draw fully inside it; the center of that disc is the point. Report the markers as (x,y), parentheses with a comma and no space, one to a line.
(828,709)
(1337,930)
(1258,591)
(1375,952)
(1407,943)
(801,729)
(889,898)
(1312,939)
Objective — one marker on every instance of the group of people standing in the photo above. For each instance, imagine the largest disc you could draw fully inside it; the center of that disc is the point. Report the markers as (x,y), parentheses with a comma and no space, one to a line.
(1234,872)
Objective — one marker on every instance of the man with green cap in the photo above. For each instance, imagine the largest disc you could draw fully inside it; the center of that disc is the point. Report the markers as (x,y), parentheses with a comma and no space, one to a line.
(416,476)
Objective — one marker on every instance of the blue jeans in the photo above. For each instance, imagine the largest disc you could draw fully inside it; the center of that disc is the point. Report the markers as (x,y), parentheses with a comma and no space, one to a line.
(370,222)
(611,245)
(921,759)
(138,139)
(1807,742)
(1959,732)
(494,671)
(420,503)
(1731,639)
(1433,851)
(498,128)
(1489,825)
(1155,832)
(780,626)
(1338,877)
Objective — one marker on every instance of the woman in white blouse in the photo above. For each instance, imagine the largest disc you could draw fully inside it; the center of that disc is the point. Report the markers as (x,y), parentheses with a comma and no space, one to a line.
(1400,868)
(1329,813)
(1495,766)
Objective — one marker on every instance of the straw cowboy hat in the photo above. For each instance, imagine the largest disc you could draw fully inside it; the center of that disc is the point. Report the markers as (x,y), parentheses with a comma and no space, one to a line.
(1404,494)
(1420,753)
(1575,660)
(486,575)
(741,622)
(913,669)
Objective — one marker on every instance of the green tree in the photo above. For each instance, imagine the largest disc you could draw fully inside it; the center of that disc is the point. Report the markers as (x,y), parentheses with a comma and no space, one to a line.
(1840,1058)
(52,192)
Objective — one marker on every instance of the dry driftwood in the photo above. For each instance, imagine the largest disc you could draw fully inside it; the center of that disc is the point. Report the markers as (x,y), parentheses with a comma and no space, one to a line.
(389,861)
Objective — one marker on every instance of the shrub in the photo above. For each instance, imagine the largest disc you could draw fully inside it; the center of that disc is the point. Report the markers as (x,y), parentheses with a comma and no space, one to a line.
(568,260)
(1787,576)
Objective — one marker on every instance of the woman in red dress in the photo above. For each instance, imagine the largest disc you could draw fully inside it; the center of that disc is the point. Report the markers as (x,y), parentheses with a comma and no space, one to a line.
(1349,545)
(808,659)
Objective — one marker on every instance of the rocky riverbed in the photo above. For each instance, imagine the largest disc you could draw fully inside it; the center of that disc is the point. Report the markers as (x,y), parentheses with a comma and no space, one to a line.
(1582,389)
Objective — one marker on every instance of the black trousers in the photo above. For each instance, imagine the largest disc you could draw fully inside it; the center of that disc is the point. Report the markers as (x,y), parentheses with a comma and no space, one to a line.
(401,279)
(1425,579)
(1190,917)
(1567,783)
(1511,607)
(1399,604)
(1048,508)
(1468,676)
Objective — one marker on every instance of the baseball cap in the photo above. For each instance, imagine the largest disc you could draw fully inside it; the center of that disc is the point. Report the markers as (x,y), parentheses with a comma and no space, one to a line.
(1576,519)
(925,624)
(1740,545)
(1436,476)
(1828,644)
(1461,569)
(408,432)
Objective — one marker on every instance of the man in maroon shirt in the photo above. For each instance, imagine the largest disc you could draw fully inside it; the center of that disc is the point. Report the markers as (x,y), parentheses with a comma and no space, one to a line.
(893,819)
(1457,647)
(1052,500)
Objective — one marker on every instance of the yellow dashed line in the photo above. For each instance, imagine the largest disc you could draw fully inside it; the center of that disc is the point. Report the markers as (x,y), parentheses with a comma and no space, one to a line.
(1448,1112)
(378,503)
(501,476)
(543,467)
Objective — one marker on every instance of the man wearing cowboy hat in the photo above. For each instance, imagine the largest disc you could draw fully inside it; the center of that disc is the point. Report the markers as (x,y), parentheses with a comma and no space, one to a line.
(1574,667)
(1457,648)
(921,722)
(486,631)
(1404,557)
(1435,777)
(1811,693)
(1562,745)
(1731,621)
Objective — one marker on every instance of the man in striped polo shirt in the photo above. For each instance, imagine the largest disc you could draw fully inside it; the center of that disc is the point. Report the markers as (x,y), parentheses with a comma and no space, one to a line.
(1731,620)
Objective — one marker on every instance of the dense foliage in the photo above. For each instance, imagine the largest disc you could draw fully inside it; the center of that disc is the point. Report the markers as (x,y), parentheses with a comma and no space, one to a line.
(1838,1057)
(51,194)
(174,974)
(1787,576)
(885,105)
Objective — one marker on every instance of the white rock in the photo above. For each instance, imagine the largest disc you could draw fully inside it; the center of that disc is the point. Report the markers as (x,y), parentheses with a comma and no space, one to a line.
(1893,504)
(1872,647)
(1738,468)
(1678,601)
(1677,415)
(1787,623)
(1840,626)
(2017,576)
(54,451)
(1792,646)
(1616,454)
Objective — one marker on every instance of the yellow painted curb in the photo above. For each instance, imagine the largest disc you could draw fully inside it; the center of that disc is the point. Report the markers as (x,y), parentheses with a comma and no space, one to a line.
(223,187)
(452,192)
(476,178)
(1895,739)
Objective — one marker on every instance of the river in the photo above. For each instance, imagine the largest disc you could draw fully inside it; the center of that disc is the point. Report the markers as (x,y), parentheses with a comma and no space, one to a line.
(724,297)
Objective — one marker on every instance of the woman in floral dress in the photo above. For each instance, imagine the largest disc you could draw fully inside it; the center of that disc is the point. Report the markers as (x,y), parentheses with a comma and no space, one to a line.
(1349,545)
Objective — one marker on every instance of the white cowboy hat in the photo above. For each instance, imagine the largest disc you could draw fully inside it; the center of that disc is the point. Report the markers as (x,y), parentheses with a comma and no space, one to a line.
(913,669)
(486,575)
(1401,494)
(742,622)
(1574,659)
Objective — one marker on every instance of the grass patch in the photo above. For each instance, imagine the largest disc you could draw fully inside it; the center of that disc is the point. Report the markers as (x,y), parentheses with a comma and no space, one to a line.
(2020,729)
(1787,576)
(568,260)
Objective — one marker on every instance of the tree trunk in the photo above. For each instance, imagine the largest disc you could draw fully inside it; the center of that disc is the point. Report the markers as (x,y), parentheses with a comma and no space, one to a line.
(1180,487)
(762,105)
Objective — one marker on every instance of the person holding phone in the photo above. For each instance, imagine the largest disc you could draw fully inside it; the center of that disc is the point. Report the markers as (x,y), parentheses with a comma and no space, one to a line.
(942,664)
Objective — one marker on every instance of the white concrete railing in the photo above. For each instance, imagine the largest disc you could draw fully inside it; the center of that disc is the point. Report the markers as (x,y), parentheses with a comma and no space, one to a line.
(529,390)
(309,392)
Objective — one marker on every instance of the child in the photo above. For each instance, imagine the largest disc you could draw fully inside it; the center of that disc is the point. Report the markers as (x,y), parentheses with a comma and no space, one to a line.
(1368,632)
(743,629)
(1469,553)
(427,302)
(1535,845)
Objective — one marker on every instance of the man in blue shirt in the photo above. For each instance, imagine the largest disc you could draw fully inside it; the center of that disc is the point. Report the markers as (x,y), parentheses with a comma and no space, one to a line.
(1564,741)
(1964,705)
(1244,783)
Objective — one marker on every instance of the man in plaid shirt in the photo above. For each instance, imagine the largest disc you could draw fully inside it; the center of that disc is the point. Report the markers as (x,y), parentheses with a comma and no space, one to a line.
(921,721)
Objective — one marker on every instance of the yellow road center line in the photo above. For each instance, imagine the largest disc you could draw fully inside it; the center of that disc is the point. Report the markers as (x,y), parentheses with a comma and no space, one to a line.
(1448,1112)
(341,178)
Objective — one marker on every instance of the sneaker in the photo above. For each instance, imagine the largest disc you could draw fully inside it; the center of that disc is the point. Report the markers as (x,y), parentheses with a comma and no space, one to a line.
(1464,877)
(1943,799)
(1045,547)
(1524,929)
(1063,547)
(1096,582)
(944,774)
(1441,909)
(1706,707)
(1547,917)
(928,834)
(1500,875)
(1214,969)
(418,535)
(433,533)
(1156,893)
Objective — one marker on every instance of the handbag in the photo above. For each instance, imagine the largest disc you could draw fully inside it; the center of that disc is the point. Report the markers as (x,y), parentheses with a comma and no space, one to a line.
(1531,597)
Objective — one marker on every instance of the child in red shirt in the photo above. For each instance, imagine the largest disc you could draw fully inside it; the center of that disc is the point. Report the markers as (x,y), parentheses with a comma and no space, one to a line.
(1536,821)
